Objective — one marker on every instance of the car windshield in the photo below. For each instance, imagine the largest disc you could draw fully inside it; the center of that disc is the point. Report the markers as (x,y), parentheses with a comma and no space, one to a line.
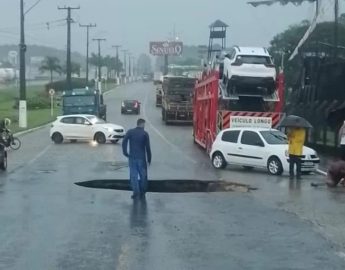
(130,102)
(274,137)
(253,59)
(79,101)
(95,120)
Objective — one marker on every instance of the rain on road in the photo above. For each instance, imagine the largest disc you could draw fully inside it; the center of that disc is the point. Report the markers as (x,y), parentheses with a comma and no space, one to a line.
(48,222)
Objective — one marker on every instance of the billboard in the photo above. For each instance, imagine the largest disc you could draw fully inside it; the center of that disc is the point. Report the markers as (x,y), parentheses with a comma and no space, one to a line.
(161,48)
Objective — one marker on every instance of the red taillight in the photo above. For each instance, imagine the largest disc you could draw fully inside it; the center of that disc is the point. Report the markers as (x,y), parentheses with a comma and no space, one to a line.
(270,65)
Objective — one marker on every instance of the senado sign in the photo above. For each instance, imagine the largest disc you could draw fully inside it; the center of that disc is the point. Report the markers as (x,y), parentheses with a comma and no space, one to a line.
(159,48)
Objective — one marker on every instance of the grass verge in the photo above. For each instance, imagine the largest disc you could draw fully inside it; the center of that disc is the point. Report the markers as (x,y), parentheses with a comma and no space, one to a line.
(36,117)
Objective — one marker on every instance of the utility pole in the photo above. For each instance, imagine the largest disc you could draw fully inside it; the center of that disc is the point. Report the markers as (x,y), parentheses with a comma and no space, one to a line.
(336,28)
(117,60)
(125,61)
(87,26)
(22,79)
(129,66)
(99,40)
(68,62)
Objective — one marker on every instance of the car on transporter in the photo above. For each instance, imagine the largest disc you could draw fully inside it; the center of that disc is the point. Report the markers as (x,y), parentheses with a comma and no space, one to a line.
(84,127)
(249,70)
(258,148)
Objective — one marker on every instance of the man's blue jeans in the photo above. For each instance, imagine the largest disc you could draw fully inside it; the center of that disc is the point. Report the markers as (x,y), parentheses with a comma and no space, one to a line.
(138,175)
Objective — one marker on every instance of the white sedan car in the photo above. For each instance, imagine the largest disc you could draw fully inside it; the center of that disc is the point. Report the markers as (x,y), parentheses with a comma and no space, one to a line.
(85,127)
(260,148)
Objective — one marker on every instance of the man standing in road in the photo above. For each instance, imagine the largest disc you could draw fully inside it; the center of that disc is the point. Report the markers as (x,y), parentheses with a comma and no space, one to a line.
(296,137)
(139,155)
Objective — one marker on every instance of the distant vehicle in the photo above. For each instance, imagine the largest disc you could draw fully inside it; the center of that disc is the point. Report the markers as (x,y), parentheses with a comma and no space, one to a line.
(130,106)
(158,77)
(177,99)
(84,101)
(258,147)
(147,77)
(7,74)
(248,71)
(85,127)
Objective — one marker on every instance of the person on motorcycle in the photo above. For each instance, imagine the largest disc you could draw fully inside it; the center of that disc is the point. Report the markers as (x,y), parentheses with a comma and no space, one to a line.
(5,133)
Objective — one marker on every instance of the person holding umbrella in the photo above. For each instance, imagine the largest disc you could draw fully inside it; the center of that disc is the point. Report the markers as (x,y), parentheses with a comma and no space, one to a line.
(296,134)
(296,138)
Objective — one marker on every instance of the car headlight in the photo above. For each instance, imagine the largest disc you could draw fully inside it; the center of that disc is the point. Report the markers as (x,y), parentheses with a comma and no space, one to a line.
(287,153)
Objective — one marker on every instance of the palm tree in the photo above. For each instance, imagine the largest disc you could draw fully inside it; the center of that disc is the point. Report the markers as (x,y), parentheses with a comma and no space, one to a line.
(75,68)
(51,64)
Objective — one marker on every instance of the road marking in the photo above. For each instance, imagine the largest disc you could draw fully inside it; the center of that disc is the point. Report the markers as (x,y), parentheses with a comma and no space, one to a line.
(40,154)
(165,139)
(122,259)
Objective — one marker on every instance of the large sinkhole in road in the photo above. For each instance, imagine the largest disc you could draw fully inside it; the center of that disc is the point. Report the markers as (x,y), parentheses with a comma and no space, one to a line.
(170,186)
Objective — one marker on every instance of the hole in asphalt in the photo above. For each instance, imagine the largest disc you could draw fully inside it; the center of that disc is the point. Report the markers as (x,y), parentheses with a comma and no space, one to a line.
(170,186)
(47,171)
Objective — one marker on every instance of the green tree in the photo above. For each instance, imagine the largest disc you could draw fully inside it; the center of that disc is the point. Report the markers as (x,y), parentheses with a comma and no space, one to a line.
(288,40)
(51,64)
(75,68)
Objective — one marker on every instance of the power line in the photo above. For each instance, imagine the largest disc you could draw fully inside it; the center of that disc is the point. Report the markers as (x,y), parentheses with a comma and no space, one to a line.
(32,7)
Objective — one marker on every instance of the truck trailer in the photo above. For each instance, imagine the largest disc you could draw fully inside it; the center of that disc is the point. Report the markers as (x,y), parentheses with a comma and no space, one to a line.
(177,99)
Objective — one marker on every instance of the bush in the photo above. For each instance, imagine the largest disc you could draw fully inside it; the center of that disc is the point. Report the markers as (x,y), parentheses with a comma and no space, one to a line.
(60,86)
(34,103)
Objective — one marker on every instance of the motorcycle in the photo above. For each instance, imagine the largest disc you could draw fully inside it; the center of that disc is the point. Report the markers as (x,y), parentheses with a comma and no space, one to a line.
(3,157)
(8,140)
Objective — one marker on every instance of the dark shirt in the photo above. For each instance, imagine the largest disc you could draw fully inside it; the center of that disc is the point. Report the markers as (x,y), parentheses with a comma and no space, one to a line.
(139,144)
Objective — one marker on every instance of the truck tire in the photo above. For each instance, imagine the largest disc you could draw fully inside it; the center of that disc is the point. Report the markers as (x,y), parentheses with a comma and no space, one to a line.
(163,115)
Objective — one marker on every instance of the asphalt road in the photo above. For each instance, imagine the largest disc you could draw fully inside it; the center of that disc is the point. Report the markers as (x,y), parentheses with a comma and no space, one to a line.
(47,222)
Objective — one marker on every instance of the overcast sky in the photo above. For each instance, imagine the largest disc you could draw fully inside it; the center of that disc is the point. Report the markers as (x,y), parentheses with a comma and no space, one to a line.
(133,23)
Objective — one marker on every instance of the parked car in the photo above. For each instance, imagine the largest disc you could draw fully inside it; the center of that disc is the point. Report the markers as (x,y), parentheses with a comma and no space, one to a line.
(85,127)
(130,106)
(249,71)
(260,148)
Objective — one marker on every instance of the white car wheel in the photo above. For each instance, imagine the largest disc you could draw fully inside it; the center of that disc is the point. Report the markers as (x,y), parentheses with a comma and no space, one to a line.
(274,166)
(218,161)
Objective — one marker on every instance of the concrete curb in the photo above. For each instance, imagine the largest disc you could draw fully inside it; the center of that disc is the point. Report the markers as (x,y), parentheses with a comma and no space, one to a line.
(24,132)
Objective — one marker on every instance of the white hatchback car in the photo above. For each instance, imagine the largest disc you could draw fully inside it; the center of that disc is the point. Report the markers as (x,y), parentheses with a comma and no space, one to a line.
(85,127)
(258,147)
(249,70)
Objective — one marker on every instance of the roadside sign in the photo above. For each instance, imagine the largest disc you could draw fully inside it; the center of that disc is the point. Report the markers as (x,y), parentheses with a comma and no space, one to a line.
(51,92)
(160,48)
(250,121)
